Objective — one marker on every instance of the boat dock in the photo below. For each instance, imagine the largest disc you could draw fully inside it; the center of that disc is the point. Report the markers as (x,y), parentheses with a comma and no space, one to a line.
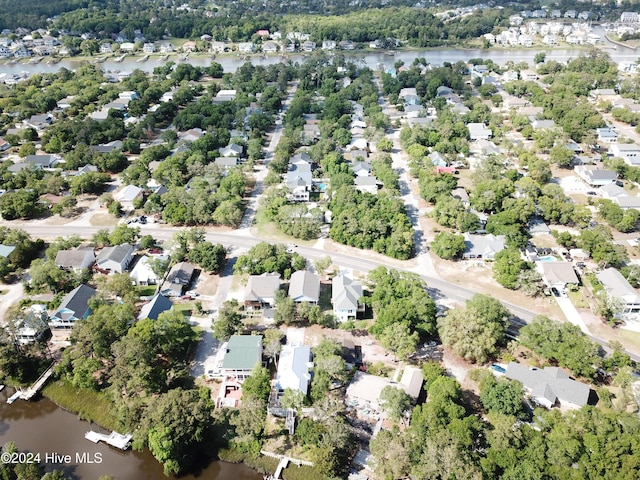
(284,461)
(115,439)
(14,397)
(29,393)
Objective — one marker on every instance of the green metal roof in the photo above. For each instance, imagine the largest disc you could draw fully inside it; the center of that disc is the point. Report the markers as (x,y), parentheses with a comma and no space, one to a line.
(5,250)
(243,352)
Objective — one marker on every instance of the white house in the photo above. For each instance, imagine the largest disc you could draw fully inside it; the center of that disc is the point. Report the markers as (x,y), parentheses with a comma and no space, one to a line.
(294,368)
(128,196)
(76,260)
(629,152)
(557,274)
(142,273)
(479,131)
(246,47)
(345,298)
(482,247)
(620,290)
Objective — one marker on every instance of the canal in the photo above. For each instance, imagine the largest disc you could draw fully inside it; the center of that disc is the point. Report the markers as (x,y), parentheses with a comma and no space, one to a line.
(42,427)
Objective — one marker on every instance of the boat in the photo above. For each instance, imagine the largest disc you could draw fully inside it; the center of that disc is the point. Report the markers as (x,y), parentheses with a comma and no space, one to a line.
(143,59)
(14,397)
(115,439)
(100,60)
(55,60)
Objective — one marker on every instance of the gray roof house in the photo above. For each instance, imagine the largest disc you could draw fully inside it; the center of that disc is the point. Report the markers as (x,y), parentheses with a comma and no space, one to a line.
(77,259)
(74,306)
(620,290)
(345,298)
(232,150)
(115,259)
(44,161)
(261,290)
(594,176)
(369,184)
(557,274)
(179,276)
(158,304)
(482,247)
(550,385)
(128,195)
(304,286)
(479,131)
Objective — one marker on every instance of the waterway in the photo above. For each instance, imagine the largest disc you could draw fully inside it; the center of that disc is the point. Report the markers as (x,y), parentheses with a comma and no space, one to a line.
(42,427)
(230,63)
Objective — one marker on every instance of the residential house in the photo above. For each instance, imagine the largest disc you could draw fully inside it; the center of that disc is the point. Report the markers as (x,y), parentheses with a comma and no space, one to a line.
(595,176)
(364,390)
(115,259)
(557,274)
(241,354)
(5,250)
(411,381)
(626,202)
(4,145)
(607,135)
(570,14)
(166,48)
(299,181)
(127,47)
(328,44)
(347,45)
(308,46)
(32,325)
(550,386)
(602,94)
(304,287)
(226,163)
(482,247)
(178,278)
(231,150)
(294,368)
(149,48)
(629,152)
(269,47)
(142,273)
(479,131)
(158,304)
(620,291)
(106,48)
(189,46)
(75,260)
(225,96)
(528,75)
(629,17)
(311,132)
(361,169)
(368,184)
(129,196)
(246,47)
(74,306)
(107,147)
(461,194)
(42,161)
(346,295)
(40,122)
(542,124)
(260,291)
(218,47)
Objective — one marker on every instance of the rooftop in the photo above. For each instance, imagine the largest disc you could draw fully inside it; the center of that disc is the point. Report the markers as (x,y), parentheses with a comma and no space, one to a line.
(243,352)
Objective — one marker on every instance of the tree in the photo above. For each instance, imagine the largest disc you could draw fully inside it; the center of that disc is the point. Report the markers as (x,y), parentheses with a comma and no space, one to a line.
(209,256)
(273,342)
(124,234)
(258,385)
(448,245)
(293,399)
(147,241)
(27,149)
(19,204)
(394,401)
(502,396)
(561,155)
(508,267)
(474,332)
(397,338)
(539,57)
(229,321)
(285,311)
(385,145)
(322,265)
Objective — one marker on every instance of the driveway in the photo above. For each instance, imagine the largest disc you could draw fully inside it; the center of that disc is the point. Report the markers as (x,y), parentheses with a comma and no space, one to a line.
(572,314)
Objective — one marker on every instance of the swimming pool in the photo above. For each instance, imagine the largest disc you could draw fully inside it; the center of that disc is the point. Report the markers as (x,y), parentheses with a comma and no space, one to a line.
(548,258)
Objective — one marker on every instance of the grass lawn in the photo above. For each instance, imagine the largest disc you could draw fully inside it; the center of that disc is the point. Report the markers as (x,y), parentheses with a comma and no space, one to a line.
(325,297)
(88,404)
(147,291)
(578,300)
(185,308)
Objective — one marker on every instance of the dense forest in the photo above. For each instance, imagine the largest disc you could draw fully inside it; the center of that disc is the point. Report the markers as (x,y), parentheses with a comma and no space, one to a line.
(34,13)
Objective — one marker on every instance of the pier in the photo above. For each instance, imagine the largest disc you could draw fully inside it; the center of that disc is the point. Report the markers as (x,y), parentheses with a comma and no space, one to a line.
(30,392)
(115,439)
(284,461)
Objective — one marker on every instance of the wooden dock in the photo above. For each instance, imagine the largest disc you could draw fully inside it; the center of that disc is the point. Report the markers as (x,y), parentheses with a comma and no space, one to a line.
(284,461)
(29,393)
(115,439)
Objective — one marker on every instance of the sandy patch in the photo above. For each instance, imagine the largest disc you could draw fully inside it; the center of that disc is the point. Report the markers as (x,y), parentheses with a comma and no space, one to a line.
(208,283)
(103,220)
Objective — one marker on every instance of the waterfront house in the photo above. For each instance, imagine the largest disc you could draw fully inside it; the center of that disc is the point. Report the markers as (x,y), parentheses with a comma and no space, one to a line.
(328,44)
(149,48)
(241,354)
(218,47)
(294,369)
(74,306)
(246,47)
(308,46)
(269,47)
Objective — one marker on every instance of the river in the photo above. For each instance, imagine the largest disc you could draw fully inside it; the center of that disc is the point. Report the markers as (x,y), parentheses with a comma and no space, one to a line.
(230,63)
(44,428)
